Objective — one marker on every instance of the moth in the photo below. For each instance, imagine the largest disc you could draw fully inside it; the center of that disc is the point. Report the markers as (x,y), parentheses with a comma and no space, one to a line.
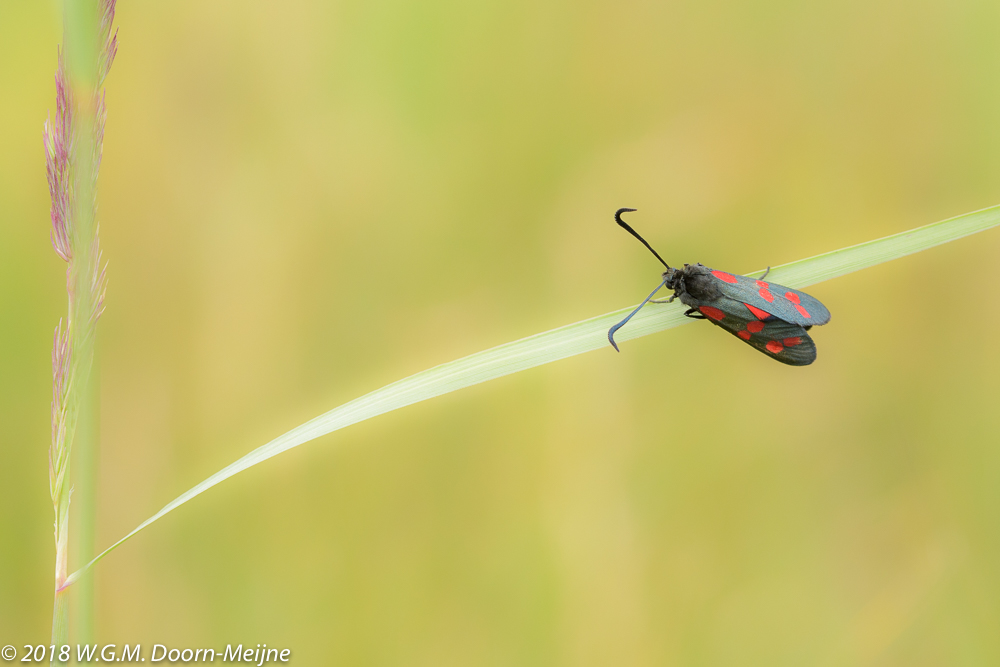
(771,318)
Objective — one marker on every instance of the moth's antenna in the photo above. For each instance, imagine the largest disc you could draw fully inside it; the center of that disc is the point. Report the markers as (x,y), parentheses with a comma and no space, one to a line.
(612,330)
(624,225)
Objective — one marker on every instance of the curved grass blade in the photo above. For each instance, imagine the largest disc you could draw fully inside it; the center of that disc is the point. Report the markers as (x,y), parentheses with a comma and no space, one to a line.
(570,340)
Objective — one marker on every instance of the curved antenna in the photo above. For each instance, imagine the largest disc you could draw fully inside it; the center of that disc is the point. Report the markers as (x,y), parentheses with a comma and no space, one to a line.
(612,330)
(624,225)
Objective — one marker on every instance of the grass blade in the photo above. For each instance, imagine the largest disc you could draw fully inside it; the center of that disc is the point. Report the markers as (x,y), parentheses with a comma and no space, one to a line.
(571,340)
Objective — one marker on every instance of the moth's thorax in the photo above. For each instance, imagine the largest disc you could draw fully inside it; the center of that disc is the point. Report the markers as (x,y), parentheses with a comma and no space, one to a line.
(692,283)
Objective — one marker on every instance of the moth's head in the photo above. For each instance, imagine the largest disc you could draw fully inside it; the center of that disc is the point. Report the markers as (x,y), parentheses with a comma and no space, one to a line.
(672,278)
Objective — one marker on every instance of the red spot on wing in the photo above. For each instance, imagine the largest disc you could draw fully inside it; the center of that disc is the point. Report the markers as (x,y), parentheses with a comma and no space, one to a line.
(714,313)
(745,335)
(803,311)
(774,346)
(766,294)
(725,277)
(755,326)
(757,312)
(792,296)
(792,342)
(761,283)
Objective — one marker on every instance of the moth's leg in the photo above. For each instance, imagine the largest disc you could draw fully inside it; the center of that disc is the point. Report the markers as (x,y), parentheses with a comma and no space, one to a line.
(670,300)
(765,273)
(690,312)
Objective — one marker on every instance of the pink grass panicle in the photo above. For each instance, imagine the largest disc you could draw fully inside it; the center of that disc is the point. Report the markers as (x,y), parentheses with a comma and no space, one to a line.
(73,141)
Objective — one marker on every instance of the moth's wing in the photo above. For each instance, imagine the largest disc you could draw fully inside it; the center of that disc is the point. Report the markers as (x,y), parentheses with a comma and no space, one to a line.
(786,303)
(786,342)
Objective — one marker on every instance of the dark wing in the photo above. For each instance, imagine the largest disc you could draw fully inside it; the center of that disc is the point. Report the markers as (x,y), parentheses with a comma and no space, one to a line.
(784,341)
(786,303)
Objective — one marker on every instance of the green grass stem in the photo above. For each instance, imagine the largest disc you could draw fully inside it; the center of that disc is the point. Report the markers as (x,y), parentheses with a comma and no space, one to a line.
(567,341)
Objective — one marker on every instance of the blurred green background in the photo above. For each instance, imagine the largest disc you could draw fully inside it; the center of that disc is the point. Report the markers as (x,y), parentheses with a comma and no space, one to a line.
(304,201)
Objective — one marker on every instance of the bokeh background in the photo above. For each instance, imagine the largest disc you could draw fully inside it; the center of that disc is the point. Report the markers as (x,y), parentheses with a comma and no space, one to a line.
(304,201)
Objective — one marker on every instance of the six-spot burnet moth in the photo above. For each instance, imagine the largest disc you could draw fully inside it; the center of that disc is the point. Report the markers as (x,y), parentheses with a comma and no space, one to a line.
(769,317)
